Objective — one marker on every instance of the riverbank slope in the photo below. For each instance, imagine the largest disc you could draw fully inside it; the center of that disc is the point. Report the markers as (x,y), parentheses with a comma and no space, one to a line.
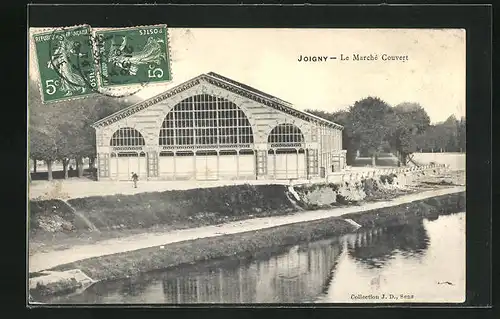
(284,213)
(248,239)
(59,224)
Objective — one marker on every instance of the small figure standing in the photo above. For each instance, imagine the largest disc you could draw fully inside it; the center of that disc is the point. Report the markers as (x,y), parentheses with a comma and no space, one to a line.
(135,178)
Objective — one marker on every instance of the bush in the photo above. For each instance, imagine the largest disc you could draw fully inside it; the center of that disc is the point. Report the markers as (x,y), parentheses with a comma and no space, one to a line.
(370,186)
(388,178)
(48,209)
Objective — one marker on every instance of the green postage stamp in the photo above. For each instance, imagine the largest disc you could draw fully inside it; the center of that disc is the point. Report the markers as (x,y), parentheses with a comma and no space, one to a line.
(78,61)
(132,56)
(65,63)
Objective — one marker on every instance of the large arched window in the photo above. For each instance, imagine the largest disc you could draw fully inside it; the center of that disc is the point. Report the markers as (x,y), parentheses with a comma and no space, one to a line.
(286,133)
(127,136)
(205,120)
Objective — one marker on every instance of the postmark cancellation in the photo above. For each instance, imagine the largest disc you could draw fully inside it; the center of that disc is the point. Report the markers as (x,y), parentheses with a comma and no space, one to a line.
(132,56)
(65,63)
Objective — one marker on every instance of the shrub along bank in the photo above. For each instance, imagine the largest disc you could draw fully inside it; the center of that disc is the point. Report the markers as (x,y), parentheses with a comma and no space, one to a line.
(320,196)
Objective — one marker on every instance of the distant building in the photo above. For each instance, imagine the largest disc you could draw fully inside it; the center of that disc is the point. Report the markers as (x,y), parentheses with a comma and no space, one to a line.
(212,127)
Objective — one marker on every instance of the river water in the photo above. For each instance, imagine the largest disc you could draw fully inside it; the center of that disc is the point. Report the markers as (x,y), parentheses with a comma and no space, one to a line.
(422,261)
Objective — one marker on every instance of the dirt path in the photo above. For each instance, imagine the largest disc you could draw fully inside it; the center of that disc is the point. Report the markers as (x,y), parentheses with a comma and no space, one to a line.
(47,260)
(78,188)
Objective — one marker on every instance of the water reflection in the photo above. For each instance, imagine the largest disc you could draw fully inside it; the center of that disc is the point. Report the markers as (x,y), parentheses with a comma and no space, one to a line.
(394,258)
(376,246)
(408,262)
(296,276)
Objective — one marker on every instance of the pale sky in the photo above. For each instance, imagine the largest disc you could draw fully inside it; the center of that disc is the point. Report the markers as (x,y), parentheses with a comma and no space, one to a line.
(266,59)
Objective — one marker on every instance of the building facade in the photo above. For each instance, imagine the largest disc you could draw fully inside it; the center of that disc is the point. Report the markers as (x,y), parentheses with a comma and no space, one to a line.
(214,128)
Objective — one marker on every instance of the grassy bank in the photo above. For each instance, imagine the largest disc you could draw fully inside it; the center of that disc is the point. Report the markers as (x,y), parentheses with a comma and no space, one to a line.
(179,209)
(156,258)
(59,225)
(176,209)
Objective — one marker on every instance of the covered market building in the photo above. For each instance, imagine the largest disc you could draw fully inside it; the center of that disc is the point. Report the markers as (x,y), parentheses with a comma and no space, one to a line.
(214,128)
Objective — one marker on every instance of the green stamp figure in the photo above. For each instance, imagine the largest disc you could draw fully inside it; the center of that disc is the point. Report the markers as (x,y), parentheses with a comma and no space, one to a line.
(66,63)
(133,56)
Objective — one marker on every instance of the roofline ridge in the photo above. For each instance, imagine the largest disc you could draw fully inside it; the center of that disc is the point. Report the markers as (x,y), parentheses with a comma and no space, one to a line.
(280,101)
(144,101)
(271,97)
(274,99)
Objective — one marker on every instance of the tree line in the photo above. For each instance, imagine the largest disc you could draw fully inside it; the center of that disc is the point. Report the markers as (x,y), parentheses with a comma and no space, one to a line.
(372,126)
(61,131)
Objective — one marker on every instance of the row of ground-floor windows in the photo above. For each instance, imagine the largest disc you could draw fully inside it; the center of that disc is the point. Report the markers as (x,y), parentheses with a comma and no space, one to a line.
(283,163)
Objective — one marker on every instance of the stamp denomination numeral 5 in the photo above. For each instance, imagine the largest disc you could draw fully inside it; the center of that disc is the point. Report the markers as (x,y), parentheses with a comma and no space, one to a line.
(64,56)
(51,86)
(155,73)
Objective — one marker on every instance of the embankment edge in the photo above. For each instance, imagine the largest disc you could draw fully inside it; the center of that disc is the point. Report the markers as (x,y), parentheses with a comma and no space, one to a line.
(128,264)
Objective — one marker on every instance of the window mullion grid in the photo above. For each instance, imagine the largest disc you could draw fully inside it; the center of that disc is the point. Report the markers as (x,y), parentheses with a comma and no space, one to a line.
(127,136)
(217,128)
(174,126)
(237,128)
(193,121)
(195,111)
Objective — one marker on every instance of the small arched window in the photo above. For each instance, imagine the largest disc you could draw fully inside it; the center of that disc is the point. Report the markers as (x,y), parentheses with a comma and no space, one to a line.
(127,136)
(286,133)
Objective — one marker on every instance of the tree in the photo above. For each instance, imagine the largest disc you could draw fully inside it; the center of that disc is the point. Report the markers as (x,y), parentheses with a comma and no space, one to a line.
(62,131)
(406,128)
(93,111)
(447,136)
(29,171)
(42,133)
(450,126)
(68,143)
(371,124)
(43,145)
(462,129)
(72,122)
(410,121)
(48,134)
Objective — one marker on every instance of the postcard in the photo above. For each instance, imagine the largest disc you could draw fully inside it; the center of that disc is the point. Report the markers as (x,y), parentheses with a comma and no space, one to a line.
(246,166)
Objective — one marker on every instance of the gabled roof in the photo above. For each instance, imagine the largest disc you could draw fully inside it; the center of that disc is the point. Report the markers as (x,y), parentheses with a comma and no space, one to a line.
(225,83)
(247,87)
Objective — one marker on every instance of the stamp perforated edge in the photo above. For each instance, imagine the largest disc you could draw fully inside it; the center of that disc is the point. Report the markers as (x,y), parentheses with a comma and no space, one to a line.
(33,47)
(123,87)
